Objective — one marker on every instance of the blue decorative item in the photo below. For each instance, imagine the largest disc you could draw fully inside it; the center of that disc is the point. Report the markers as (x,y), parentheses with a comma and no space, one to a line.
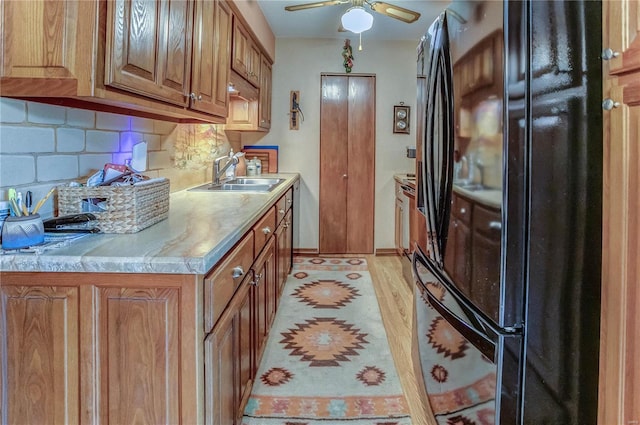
(22,232)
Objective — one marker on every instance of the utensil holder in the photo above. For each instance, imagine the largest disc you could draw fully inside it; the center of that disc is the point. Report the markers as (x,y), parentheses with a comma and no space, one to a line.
(22,232)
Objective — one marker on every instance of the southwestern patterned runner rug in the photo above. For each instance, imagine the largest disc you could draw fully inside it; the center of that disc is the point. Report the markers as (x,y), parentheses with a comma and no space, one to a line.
(327,359)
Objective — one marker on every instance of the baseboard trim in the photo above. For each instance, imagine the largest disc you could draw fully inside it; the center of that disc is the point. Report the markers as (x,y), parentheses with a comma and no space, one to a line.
(382,252)
(306,252)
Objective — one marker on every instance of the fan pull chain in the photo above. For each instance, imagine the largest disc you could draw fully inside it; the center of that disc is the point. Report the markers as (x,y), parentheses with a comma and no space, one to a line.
(360,45)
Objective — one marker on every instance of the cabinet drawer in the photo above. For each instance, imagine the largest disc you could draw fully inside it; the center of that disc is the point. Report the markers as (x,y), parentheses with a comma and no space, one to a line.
(462,209)
(264,228)
(289,198)
(487,221)
(221,284)
(284,204)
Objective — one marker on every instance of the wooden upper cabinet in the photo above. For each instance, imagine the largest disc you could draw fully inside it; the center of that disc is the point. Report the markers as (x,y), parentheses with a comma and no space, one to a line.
(255,64)
(211,56)
(245,54)
(149,48)
(46,47)
(264,105)
(622,35)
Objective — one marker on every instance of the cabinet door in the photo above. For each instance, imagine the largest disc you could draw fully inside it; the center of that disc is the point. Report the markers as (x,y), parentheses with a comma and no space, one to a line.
(46,47)
(221,370)
(253,63)
(240,49)
(264,108)
(284,238)
(228,360)
(211,56)
(40,371)
(398,222)
(263,297)
(149,48)
(138,347)
(622,35)
(246,343)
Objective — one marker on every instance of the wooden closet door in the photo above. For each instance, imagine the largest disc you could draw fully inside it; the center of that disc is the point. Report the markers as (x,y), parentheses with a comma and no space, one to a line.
(334,128)
(347,164)
(361,155)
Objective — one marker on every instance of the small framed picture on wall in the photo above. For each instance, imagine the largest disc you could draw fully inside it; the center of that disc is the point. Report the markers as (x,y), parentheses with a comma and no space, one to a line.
(401,118)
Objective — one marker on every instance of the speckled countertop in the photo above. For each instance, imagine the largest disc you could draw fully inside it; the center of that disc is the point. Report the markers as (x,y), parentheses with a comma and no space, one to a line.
(200,229)
(489,197)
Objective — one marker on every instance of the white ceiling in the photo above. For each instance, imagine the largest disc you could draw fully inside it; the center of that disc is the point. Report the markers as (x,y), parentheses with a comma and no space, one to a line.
(323,22)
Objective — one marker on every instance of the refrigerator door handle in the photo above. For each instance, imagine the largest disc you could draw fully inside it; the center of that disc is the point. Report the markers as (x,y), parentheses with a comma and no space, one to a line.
(484,345)
(466,329)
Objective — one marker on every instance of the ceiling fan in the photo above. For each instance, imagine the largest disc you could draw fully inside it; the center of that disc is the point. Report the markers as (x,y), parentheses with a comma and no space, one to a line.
(383,8)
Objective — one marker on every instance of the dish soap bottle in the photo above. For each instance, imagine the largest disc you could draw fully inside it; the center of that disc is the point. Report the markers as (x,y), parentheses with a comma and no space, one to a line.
(258,165)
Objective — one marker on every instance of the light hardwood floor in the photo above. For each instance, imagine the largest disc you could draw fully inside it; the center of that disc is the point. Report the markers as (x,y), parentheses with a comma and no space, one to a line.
(395,298)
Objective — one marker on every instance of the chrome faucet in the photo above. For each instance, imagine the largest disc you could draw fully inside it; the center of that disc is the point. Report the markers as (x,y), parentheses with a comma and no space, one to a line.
(217,172)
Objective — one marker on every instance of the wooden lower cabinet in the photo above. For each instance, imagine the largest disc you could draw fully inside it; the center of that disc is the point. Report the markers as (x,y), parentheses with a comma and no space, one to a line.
(227,364)
(141,348)
(284,238)
(264,298)
(40,370)
(99,348)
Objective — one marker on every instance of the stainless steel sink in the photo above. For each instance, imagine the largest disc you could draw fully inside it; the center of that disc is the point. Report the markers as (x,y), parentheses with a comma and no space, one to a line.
(241,184)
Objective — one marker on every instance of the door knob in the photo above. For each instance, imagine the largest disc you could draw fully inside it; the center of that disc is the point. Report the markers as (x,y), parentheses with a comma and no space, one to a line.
(608,54)
(237,272)
(609,104)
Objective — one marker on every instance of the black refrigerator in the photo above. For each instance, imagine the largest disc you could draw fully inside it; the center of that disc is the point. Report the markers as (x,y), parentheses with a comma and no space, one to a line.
(509,181)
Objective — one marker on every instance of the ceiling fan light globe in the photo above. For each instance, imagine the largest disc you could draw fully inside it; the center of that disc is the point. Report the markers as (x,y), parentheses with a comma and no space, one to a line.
(357,20)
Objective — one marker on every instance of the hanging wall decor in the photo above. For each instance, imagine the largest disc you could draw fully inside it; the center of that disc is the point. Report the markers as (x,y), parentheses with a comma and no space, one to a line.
(295,113)
(347,55)
(401,118)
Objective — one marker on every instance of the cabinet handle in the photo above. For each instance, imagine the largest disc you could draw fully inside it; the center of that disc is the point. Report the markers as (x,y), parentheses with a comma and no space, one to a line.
(195,98)
(608,54)
(344,176)
(463,210)
(258,278)
(285,225)
(609,104)
(281,211)
(495,225)
(289,201)
(266,230)
(237,272)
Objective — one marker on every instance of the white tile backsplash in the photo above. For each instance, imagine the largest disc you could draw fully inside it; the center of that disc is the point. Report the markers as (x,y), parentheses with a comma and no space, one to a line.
(107,121)
(41,113)
(17,170)
(143,125)
(26,139)
(128,139)
(103,141)
(12,111)
(81,118)
(57,167)
(42,146)
(69,139)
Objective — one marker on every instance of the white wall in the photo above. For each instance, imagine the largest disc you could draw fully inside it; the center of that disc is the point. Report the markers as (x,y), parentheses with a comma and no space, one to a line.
(298,65)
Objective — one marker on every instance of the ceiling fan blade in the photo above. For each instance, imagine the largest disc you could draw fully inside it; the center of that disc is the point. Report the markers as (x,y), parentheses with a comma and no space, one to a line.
(313,5)
(393,11)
